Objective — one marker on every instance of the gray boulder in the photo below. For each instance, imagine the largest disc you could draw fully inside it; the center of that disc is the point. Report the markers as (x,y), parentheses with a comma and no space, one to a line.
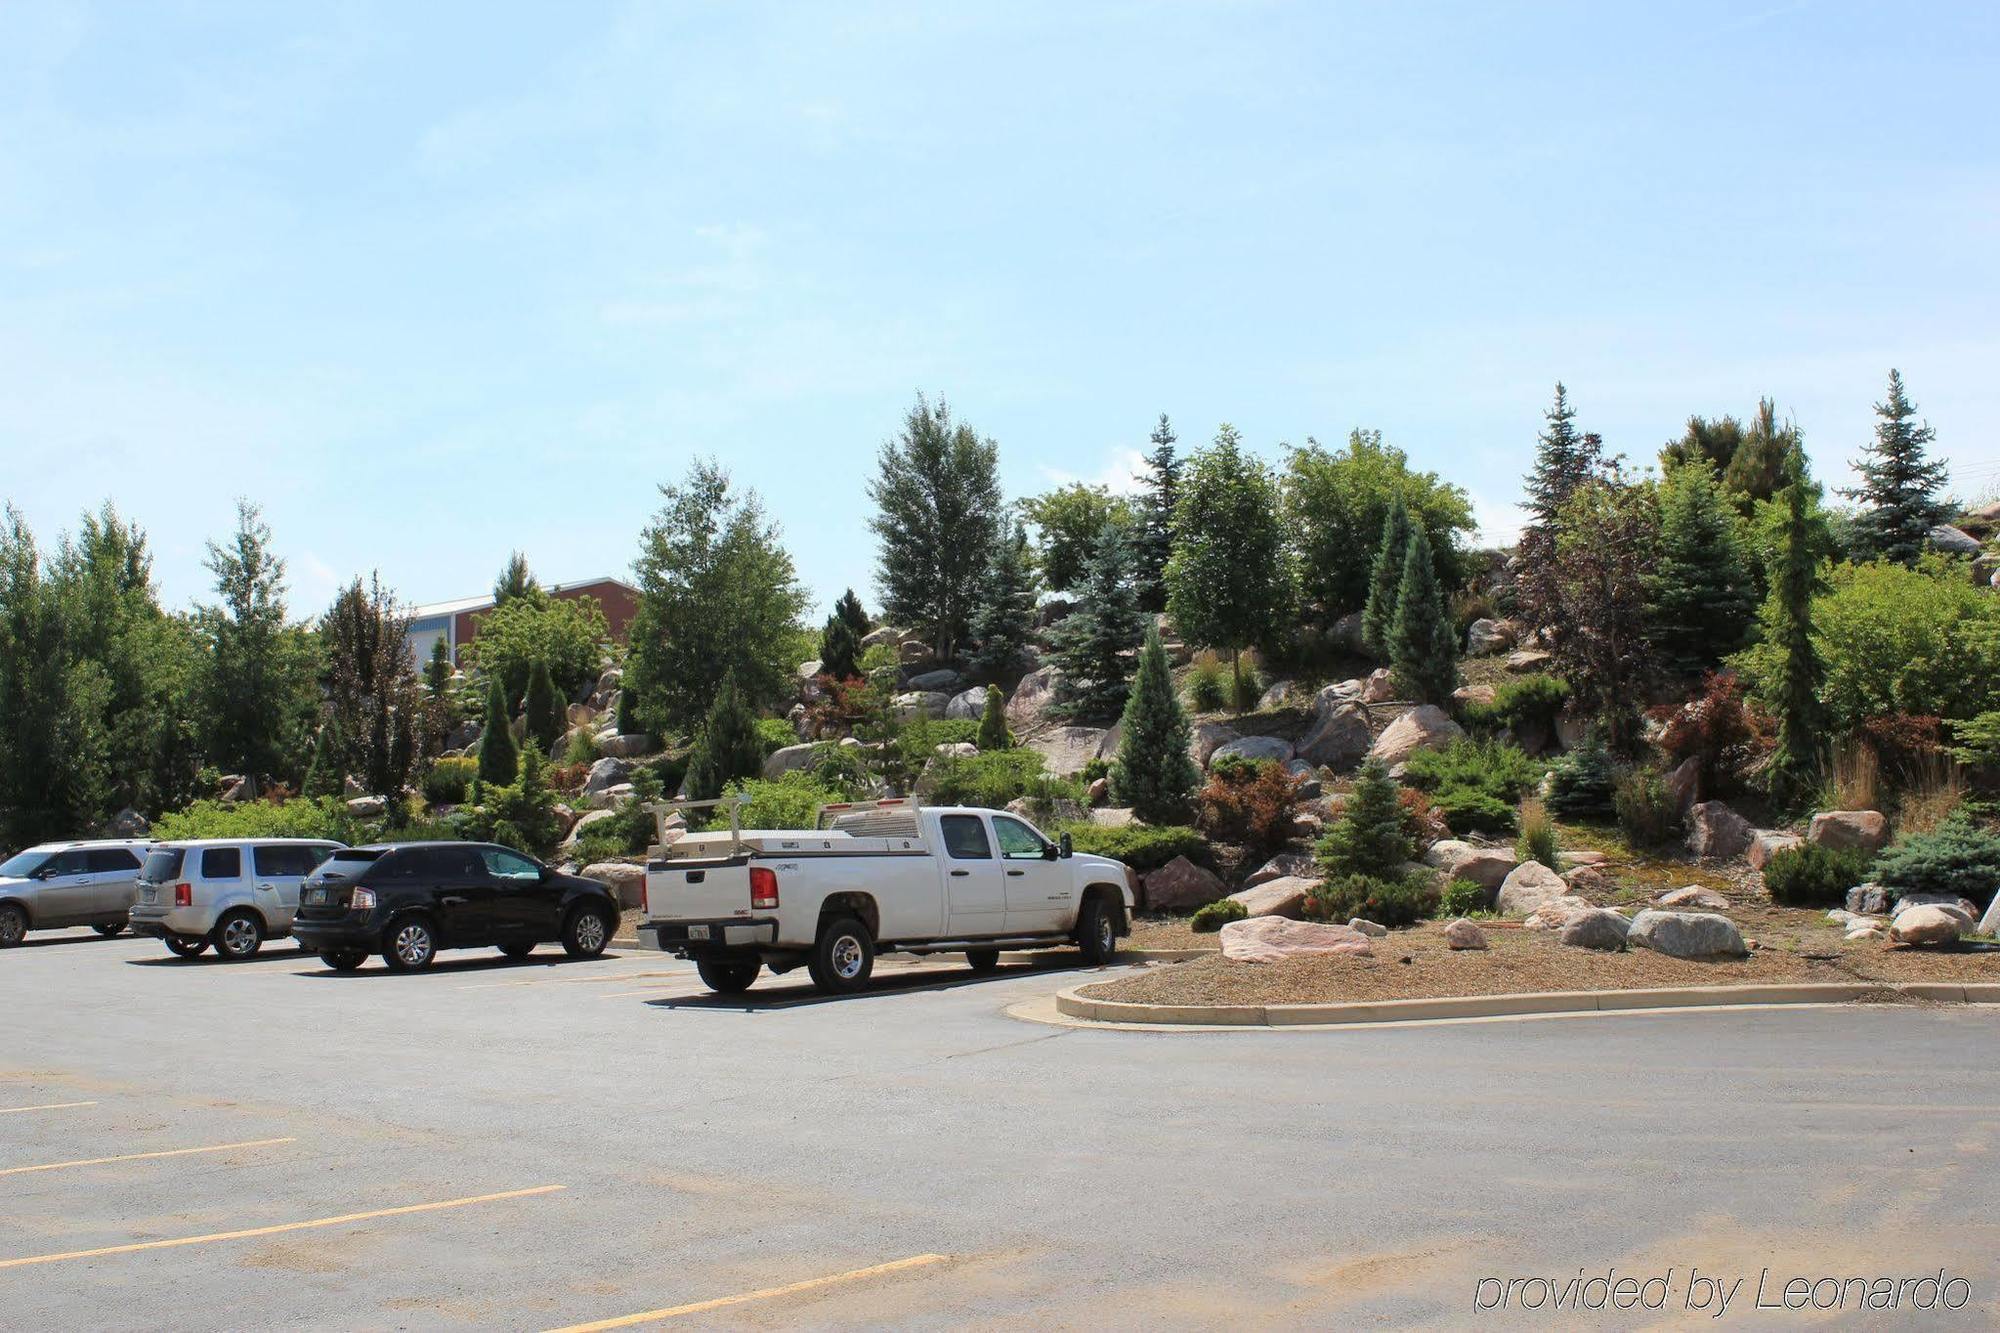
(1868,899)
(1953,541)
(1527,887)
(882,635)
(1380,687)
(1597,928)
(1488,867)
(1066,750)
(1029,707)
(628,745)
(790,759)
(1687,934)
(1486,637)
(1180,883)
(914,704)
(1959,907)
(1462,934)
(1278,897)
(1346,633)
(967,705)
(1339,737)
(1424,727)
(1310,788)
(1205,738)
(1256,749)
(1924,924)
(1282,694)
(367,807)
(1766,843)
(626,881)
(605,774)
(1282,866)
(1849,830)
(942,680)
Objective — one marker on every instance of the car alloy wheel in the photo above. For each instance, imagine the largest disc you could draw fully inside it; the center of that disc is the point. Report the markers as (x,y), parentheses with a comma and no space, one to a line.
(413,945)
(13,926)
(240,937)
(590,932)
(1107,934)
(848,957)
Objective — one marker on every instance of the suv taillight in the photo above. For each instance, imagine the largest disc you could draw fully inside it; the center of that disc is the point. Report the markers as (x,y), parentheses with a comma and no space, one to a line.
(763,887)
(184,895)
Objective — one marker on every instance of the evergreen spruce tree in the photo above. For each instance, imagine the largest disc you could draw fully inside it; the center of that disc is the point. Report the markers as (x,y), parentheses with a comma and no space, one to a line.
(437,671)
(1564,460)
(1154,773)
(1702,589)
(1423,646)
(1368,838)
(515,581)
(1385,579)
(1162,484)
(1004,626)
(728,748)
(1091,641)
(993,722)
(1898,486)
(499,756)
(839,649)
(1795,767)
(850,610)
(547,718)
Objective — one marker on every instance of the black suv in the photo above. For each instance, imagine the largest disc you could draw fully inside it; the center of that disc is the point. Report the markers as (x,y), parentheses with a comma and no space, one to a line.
(407,900)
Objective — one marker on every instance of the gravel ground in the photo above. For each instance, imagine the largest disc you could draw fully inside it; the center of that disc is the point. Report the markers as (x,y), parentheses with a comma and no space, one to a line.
(1415,964)
(1170,932)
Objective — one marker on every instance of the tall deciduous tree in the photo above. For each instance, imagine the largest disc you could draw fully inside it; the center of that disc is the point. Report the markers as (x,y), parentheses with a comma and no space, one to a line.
(1899,485)
(1161,487)
(1336,505)
(1154,773)
(1423,645)
(1702,592)
(1067,522)
(938,514)
(257,686)
(718,599)
(1793,692)
(1092,642)
(1004,627)
(1385,581)
(1229,583)
(373,701)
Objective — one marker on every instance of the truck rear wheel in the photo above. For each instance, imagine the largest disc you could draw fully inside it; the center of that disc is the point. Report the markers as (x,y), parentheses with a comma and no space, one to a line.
(1097,931)
(982,961)
(728,976)
(842,957)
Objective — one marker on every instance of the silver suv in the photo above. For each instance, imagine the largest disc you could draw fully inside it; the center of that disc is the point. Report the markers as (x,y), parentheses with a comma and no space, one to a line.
(62,884)
(234,893)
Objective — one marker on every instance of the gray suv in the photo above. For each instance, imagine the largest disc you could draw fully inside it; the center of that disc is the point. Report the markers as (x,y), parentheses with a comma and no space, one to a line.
(233,893)
(61,884)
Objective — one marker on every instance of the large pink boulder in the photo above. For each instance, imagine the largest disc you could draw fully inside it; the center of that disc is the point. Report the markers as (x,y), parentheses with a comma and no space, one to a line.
(1717,833)
(1849,830)
(1767,843)
(1488,867)
(1425,727)
(1181,883)
(1926,925)
(1271,939)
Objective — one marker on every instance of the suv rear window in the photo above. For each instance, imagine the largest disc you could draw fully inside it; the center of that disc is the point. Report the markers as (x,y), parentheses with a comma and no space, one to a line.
(222,863)
(162,866)
(348,863)
(286,861)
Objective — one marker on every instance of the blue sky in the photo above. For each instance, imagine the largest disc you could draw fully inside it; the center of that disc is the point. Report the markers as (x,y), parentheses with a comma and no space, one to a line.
(430,282)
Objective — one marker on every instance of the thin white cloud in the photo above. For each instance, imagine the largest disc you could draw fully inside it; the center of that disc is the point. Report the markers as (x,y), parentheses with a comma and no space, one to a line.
(1123,472)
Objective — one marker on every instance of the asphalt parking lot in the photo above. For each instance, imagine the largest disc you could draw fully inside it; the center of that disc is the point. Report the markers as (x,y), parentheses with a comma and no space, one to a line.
(194,1144)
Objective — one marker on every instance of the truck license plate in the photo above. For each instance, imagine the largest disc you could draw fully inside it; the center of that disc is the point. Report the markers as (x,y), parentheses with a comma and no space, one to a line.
(697,932)
(151,895)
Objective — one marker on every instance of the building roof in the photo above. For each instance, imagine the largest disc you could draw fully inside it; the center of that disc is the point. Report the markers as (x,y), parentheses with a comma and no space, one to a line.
(461,605)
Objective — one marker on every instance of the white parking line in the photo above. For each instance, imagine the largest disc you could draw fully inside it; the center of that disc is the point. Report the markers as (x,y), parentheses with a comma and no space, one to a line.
(45,1106)
(143,1156)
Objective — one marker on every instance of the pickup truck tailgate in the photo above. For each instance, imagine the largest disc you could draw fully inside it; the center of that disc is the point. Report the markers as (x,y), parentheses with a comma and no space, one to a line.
(694,891)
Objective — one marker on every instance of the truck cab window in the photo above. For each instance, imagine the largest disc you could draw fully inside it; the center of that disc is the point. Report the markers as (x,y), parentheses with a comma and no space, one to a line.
(1018,842)
(965,838)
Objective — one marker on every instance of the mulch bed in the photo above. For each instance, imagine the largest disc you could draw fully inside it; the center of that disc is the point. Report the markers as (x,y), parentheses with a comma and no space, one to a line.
(1416,964)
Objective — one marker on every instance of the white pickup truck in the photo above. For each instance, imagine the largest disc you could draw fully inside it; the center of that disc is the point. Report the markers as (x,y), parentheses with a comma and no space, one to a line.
(876,877)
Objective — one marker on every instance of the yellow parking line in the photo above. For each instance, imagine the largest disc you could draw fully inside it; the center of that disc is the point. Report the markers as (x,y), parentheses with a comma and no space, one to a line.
(143,1156)
(767,1293)
(45,1106)
(253,1232)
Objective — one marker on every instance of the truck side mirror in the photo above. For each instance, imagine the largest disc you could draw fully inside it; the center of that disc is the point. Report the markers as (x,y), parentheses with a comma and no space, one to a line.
(1065,846)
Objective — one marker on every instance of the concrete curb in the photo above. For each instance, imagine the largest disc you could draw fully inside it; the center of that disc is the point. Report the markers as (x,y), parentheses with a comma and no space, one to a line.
(1072,1004)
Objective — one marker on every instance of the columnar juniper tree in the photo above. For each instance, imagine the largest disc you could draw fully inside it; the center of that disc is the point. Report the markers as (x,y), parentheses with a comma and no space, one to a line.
(1091,642)
(1423,646)
(993,722)
(938,511)
(499,756)
(1004,626)
(1385,579)
(849,609)
(1162,484)
(1229,584)
(1898,486)
(546,716)
(1795,689)
(1154,774)
(839,649)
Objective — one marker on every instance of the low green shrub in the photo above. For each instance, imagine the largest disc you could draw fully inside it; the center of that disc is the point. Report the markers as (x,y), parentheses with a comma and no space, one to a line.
(1462,897)
(582,747)
(790,801)
(450,779)
(1141,846)
(1810,875)
(990,778)
(1095,769)
(1208,686)
(1958,856)
(1647,811)
(774,734)
(1524,701)
(1474,783)
(1214,916)
(1469,810)
(326,817)
(1584,782)
(1402,901)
